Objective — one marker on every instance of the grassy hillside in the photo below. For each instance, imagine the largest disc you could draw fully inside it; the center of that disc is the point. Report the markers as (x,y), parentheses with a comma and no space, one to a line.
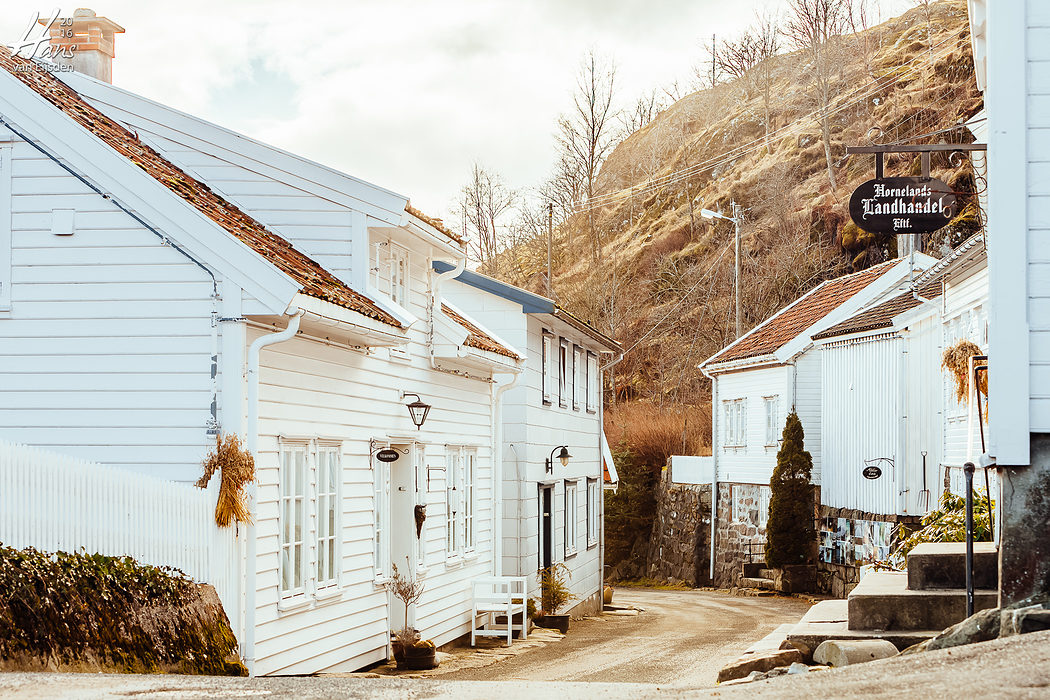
(661,278)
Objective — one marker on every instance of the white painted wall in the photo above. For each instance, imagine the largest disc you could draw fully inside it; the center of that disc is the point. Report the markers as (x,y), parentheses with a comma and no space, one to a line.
(923,410)
(106,351)
(689,469)
(964,315)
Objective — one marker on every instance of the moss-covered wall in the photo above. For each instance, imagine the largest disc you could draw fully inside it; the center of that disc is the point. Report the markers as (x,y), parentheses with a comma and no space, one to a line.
(80,612)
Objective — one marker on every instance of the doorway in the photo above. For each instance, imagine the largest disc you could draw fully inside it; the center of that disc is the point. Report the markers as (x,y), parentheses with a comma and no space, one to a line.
(401,519)
(546,558)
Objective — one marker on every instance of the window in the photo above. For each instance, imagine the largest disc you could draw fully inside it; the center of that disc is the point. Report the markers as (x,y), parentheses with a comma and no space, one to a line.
(751,504)
(563,373)
(593,383)
(735,421)
(773,431)
(570,528)
(380,512)
(548,367)
(419,455)
(578,386)
(328,476)
(594,493)
(291,518)
(460,477)
(5,226)
(390,271)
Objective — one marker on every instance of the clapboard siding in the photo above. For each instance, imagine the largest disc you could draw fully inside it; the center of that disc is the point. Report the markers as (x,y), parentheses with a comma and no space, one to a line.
(1038,162)
(106,352)
(964,316)
(753,463)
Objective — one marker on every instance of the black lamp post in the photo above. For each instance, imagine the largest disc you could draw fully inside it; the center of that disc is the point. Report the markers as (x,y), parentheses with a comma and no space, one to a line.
(417,410)
(563,456)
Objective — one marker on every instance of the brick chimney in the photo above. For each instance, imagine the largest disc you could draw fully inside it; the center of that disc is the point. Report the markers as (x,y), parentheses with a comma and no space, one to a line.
(89,40)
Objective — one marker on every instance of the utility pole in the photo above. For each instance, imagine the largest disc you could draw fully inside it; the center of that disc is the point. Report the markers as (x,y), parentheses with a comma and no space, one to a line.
(736,224)
(550,235)
(714,57)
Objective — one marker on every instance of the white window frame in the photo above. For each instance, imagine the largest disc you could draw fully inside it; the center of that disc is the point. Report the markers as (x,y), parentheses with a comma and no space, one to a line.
(735,422)
(547,362)
(570,513)
(391,271)
(772,409)
(380,519)
(292,492)
(419,455)
(578,382)
(6,239)
(460,501)
(593,376)
(564,359)
(328,498)
(594,494)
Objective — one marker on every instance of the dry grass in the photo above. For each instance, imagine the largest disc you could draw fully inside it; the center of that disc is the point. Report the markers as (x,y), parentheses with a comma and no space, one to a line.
(956,360)
(237,469)
(654,433)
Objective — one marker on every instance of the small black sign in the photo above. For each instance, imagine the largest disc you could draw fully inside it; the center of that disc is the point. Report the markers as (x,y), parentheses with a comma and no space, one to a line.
(901,205)
(871,472)
(388,455)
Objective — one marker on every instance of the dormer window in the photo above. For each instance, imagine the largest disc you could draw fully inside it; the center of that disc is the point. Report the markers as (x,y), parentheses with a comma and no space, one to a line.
(390,271)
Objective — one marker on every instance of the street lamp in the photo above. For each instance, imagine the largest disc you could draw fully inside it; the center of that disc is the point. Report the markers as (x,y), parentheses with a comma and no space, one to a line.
(563,457)
(735,218)
(417,410)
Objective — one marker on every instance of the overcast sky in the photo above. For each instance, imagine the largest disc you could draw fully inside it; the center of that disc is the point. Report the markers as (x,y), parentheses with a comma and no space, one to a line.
(405,94)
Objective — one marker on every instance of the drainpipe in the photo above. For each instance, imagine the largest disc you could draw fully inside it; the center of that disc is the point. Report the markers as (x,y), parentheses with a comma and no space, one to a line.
(714,467)
(601,480)
(253,445)
(497,472)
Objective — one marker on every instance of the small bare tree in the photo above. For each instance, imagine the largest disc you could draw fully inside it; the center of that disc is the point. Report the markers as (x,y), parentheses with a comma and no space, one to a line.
(483,203)
(645,110)
(586,134)
(815,27)
(748,59)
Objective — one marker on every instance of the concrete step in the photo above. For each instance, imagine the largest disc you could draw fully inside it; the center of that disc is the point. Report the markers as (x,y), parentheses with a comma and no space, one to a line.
(827,620)
(935,565)
(883,601)
(767,573)
(752,582)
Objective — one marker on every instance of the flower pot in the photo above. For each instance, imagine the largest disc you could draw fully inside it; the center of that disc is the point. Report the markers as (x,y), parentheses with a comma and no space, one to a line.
(554,622)
(607,595)
(417,657)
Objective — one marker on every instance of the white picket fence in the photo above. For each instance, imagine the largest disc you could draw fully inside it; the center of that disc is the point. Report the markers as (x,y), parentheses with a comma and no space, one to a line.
(55,502)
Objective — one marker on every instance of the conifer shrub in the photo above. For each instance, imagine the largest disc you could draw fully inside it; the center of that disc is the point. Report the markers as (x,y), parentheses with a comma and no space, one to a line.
(790,533)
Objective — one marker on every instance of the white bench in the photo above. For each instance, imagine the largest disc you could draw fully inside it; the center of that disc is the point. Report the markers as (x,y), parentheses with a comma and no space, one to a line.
(499,595)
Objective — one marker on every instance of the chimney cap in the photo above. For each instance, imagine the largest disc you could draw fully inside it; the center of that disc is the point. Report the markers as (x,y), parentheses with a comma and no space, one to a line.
(84,16)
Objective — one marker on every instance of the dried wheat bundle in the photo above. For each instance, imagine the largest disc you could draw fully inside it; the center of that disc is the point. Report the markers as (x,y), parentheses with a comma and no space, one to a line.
(237,467)
(956,360)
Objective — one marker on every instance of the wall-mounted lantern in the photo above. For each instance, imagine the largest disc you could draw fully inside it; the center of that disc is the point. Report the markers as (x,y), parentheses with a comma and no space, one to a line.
(417,410)
(563,457)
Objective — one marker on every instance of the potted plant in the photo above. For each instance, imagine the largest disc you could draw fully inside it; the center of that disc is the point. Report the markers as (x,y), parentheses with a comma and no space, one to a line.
(411,652)
(554,593)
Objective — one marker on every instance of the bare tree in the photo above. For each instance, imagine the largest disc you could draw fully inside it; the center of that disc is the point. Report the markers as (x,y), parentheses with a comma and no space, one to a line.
(815,27)
(484,202)
(748,59)
(645,110)
(586,135)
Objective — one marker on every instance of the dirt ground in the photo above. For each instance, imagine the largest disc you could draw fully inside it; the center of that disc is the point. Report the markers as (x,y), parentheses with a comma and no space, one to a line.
(682,637)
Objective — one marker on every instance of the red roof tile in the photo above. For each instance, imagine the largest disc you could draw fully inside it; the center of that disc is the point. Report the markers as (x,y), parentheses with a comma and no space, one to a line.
(478,338)
(436,223)
(779,329)
(881,316)
(315,280)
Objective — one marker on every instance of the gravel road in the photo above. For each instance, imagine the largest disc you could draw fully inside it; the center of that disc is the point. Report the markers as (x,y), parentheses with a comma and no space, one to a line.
(681,638)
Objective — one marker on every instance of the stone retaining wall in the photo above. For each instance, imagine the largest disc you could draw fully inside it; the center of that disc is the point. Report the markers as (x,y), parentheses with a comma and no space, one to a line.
(733,536)
(678,550)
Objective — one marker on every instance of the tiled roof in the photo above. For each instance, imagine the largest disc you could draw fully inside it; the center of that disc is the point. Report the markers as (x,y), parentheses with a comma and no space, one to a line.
(478,338)
(881,316)
(789,322)
(315,280)
(436,223)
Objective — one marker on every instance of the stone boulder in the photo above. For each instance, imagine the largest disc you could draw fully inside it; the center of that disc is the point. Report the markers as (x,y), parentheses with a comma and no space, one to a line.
(980,627)
(846,652)
(760,663)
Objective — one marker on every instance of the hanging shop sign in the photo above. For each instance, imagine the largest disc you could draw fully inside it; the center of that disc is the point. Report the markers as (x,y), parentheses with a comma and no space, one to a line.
(871,472)
(388,455)
(900,205)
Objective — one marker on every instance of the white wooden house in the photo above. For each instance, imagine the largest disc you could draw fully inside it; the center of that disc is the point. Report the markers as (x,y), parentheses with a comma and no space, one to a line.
(756,381)
(552,511)
(163,280)
(886,401)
